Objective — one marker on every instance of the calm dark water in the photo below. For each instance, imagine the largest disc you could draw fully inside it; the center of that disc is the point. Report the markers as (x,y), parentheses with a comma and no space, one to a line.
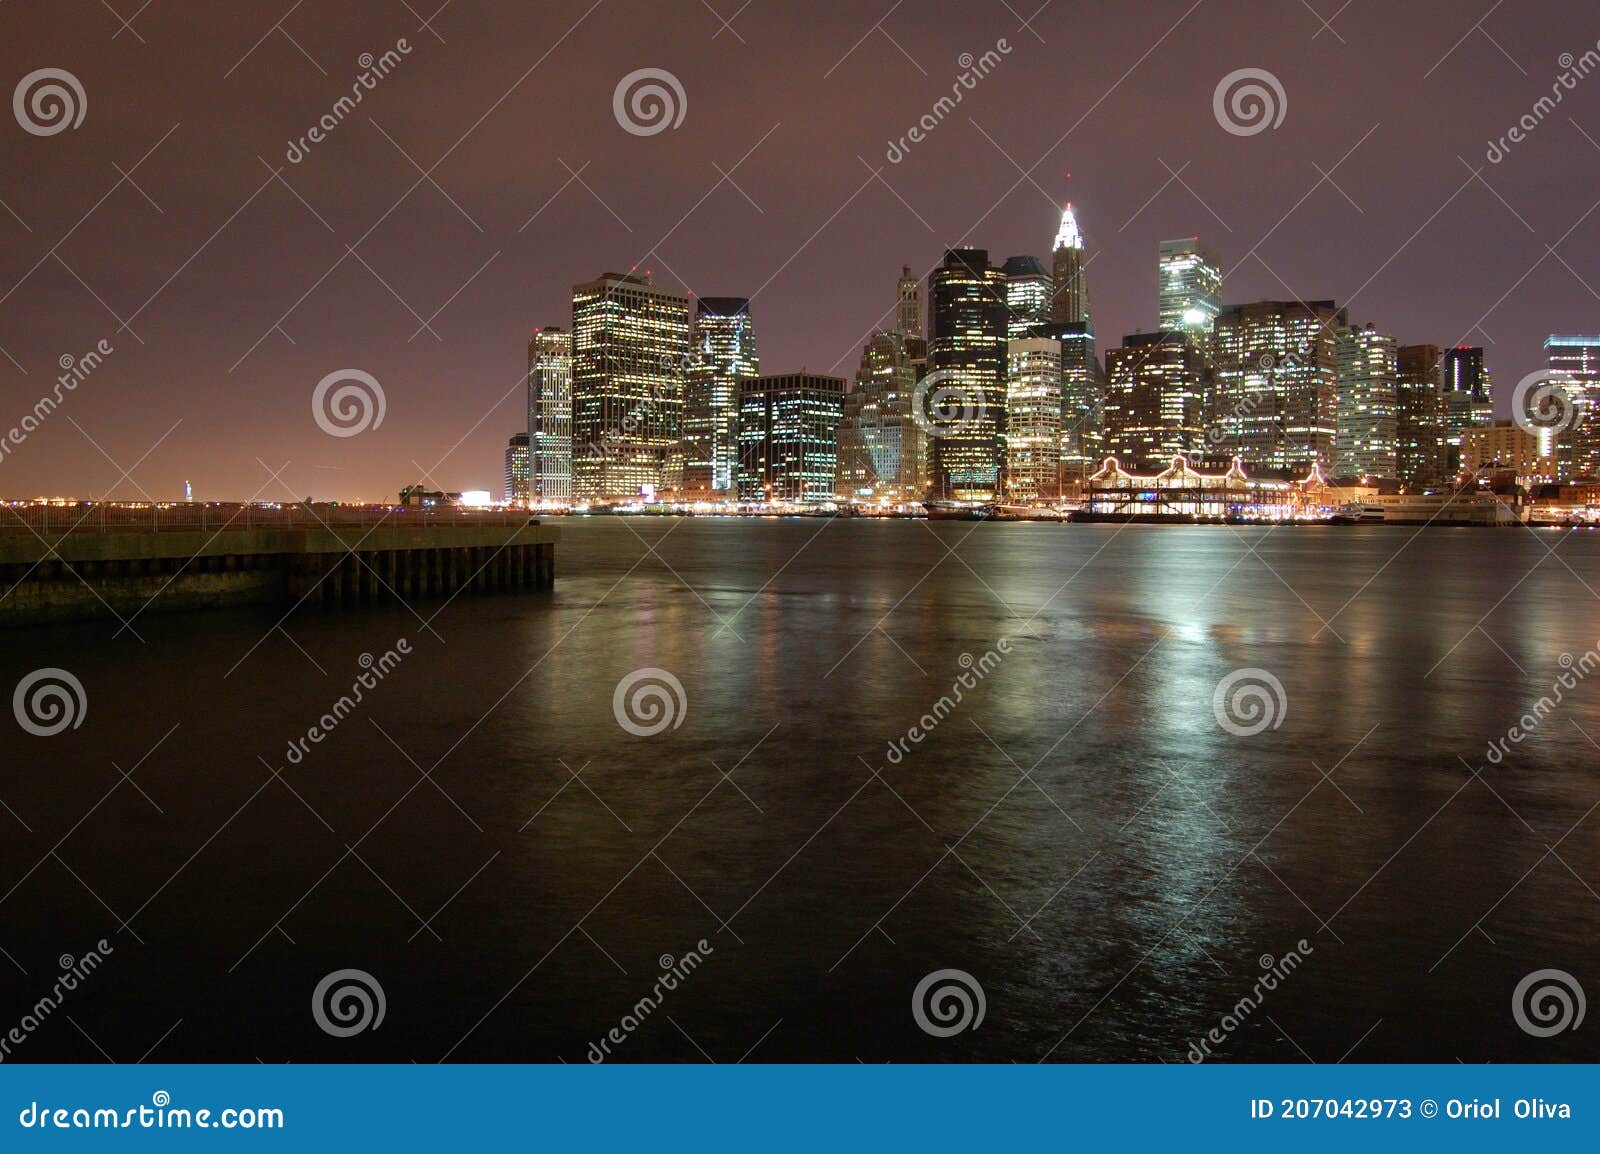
(1079,833)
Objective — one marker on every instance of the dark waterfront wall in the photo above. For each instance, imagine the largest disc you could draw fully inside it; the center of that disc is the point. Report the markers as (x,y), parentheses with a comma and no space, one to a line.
(87,575)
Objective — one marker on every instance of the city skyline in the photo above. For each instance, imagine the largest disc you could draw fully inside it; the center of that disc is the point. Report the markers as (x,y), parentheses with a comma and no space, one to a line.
(1427,255)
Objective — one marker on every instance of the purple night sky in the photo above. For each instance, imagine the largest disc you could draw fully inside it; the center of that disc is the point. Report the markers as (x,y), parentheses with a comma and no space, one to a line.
(535,185)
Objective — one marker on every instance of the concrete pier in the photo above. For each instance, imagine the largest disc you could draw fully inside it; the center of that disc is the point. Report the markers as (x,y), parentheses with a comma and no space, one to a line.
(79,566)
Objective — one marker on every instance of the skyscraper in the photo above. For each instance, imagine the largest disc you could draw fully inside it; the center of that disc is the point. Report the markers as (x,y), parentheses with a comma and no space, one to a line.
(908,316)
(1467,400)
(1577,360)
(1070,292)
(788,438)
(1033,418)
(517,480)
(1082,399)
(1368,436)
(967,367)
(1028,291)
(1420,458)
(1275,398)
(549,442)
(883,449)
(1154,408)
(1191,288)
(630,350)
(724,352)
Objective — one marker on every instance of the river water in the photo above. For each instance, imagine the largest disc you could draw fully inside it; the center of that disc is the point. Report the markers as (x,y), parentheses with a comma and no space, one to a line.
(815,831)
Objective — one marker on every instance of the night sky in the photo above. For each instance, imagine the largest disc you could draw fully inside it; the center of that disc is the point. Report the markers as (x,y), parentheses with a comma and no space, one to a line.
(202,251)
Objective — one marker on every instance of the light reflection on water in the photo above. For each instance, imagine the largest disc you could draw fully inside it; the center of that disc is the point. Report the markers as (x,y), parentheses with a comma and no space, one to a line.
(1079,832)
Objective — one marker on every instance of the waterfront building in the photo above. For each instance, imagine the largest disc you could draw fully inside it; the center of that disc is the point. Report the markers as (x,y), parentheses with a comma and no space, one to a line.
(1507,445)
(1577,359)
(1275,397)
(630,349)
(1420,458)
(723,353)
(1182,492)
(1190,279)
(1033,419)
(788,438)
(883,449)
(967,366)
(1028,291)
(517,471)
(1154,402)
(1368,434)
(908,313)
(1069,289)
(549,441)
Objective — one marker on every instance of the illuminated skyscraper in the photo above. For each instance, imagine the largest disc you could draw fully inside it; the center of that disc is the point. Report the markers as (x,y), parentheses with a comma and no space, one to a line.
(724,353)
(1275,398)
(1083,392)
(517,479)
(967,368)
(883,450)
(1191,288)
(908,316)
(788,438)
(1028,291)
(1577,359)
(1467,397)
(1070,292)
(1420,458)
(1033,418)
(549,441)
(1154,409)
(1366,445)
(630,349)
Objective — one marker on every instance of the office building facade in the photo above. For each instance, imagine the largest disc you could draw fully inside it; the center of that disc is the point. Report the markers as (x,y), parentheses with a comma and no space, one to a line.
(788,438)
(1274,399)
(630,351)
(1368,434)
(966,376)
(1033,419)
(549,443)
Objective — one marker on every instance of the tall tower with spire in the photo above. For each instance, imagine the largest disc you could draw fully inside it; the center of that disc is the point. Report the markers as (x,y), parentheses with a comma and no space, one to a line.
(908,316)
(1069,292)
